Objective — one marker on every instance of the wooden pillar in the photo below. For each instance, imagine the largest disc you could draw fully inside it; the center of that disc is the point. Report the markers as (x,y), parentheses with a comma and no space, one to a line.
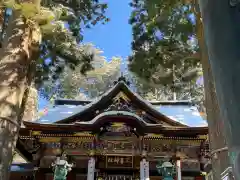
(178,169)
(144,167)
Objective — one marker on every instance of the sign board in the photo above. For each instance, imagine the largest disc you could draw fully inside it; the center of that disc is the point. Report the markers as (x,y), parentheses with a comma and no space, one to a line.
(119,161)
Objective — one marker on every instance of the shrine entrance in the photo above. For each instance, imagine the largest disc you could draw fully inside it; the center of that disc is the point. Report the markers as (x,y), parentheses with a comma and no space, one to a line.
(116,167)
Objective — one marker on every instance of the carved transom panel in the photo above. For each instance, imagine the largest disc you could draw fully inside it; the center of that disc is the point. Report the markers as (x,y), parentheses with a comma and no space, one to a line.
(117,131)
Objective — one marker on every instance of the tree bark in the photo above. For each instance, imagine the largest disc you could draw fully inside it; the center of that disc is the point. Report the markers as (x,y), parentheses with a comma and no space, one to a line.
(31,104)
(217,140)
(215,122)
(15,61)
(221,27)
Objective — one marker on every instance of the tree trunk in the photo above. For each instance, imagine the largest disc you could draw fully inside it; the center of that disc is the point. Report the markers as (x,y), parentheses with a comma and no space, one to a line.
(14,66)
(31,105)
(221,24)
(215,122)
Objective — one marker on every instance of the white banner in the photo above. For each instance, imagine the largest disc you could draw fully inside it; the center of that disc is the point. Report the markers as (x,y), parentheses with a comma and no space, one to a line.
(179,171)
(91,168)
(144,170)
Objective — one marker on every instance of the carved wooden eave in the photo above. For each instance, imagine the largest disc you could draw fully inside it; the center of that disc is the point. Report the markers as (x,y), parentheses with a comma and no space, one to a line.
(118,116)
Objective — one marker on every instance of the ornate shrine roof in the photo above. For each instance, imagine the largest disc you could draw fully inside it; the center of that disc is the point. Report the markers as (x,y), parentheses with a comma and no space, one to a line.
(181,112)
(174,113)
(185,114)
(116,109)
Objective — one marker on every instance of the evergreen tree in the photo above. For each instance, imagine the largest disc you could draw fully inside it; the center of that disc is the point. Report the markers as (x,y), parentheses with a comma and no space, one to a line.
(183,21)
(162,53)
(73,85)
(35,31)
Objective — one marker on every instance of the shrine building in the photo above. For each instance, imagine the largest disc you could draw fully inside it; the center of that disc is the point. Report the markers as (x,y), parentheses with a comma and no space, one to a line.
(118,136)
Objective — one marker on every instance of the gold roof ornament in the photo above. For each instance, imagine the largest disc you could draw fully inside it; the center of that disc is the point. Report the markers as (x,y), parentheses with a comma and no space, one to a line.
(117,124)
(203,136)
(91,153)
(119,96)
(36,133)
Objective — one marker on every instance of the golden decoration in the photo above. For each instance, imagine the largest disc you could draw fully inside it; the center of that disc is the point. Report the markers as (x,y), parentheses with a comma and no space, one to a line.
(91,153)
(36,133)
(203,136)
(156,135)
(50,139)
(121,95)
(117,124)
(83,134)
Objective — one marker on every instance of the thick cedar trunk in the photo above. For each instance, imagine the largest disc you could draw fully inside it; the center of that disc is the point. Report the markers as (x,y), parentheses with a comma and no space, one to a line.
(30,106)
(215,122)
(221,26)
(220,159)
(14,67)
(13,71)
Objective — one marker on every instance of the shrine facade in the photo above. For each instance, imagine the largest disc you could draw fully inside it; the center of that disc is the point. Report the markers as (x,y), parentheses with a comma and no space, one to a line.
(119,136)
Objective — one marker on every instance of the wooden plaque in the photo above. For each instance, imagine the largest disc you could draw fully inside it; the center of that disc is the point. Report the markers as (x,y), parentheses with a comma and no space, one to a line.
(119,162)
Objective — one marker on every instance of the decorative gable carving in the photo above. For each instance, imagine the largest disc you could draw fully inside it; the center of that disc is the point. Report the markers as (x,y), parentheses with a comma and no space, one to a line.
(117,131)
(122,103)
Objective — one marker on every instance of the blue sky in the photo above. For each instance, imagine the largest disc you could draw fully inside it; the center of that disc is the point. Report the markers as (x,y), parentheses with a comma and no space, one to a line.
(113,38)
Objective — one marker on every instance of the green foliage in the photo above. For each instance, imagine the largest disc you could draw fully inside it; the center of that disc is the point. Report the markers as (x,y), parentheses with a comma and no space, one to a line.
(80,14)
(63,46)
(165,52)
(60,46)
(148,91)
(92,85)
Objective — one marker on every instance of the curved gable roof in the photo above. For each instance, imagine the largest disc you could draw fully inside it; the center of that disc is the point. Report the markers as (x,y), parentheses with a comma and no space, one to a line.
(78,111)
(130,119)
